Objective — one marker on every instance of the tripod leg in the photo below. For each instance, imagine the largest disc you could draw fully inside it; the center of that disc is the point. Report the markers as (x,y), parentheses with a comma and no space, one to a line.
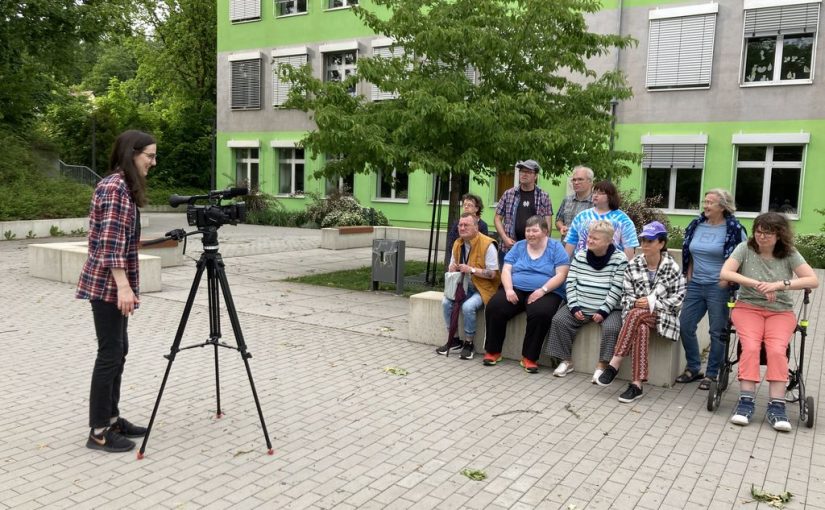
(214,326)
(174,350)
(236,329)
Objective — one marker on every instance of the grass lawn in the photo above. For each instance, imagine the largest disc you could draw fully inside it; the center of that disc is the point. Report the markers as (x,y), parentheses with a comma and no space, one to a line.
(360,279)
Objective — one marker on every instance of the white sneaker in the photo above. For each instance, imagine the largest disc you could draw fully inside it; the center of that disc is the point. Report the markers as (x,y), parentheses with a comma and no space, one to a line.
(564,368)
(596,375)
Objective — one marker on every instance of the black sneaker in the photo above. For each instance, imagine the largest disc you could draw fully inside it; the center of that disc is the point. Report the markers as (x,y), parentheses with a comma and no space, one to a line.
(109,441)
(467,351)
(607,376)
(632,393)
(454,345)
(125,428)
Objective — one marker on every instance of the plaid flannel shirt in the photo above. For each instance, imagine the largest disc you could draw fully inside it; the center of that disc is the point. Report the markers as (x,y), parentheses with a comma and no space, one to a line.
(508,205)
(668,286)
(113,241)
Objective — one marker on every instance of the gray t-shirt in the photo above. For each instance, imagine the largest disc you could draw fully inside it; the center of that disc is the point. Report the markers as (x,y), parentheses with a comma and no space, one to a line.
(766,270)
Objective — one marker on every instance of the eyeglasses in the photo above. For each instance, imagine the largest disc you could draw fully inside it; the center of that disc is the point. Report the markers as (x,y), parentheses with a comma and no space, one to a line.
(151,155)
(599,192)
(577,179)
(763,233)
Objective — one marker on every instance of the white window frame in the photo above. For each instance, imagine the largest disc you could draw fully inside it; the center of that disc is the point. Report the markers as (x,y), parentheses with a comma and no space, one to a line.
(244,11)
(345,4)
(770,142)
(296,57)
(278,3)
(293,160)
(249,64)
(392,198)
(676,152)
(431,192)
(242,155)
(330,50)
(752,5)
(384,48)
(680,47)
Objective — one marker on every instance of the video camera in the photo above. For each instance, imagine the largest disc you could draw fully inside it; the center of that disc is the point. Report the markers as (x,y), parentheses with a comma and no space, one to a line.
(214,214)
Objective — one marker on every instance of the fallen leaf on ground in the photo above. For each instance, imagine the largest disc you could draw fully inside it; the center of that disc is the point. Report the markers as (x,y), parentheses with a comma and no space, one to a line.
(474,474)
(396,371)
(774,500)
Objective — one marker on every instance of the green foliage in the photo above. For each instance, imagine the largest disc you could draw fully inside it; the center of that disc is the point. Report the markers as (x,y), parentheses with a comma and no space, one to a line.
(78,232)
(812,248)
(531,56)
(339,210)
(821,211)
(474,474)
(643,210)
(361,279)
(159,193)
(55,231)
(44,198)
(675,237)
(277,216)
(9,235)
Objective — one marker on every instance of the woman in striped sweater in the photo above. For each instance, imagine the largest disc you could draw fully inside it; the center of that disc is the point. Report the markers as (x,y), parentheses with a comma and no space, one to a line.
(594,291)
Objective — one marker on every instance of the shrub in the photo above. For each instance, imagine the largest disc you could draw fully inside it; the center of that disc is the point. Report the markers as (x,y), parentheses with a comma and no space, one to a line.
(812,247)
(158,194)
(675,237)
(643,210)
(340,210)
(41,197)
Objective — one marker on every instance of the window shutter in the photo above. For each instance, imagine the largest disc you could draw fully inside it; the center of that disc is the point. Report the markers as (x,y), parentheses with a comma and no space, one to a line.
(786,19)
(674,156)
(680,52)
(246,84)
(244,10)
(280,86)
(384,52)
(471,74)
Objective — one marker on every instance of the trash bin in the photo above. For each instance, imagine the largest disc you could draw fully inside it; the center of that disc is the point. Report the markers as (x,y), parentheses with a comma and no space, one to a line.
(388,263)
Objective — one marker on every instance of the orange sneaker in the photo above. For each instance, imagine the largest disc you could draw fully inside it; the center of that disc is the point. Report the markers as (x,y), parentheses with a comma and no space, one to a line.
(491,358)
(529,366)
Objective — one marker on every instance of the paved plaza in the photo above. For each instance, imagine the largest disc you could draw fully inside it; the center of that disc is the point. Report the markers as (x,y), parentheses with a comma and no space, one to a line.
(347,433)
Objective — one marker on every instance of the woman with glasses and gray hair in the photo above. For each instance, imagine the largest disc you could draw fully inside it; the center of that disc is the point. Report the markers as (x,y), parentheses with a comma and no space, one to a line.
(709,240)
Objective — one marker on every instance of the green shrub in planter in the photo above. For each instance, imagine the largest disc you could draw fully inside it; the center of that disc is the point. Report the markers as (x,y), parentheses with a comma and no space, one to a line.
(812,247)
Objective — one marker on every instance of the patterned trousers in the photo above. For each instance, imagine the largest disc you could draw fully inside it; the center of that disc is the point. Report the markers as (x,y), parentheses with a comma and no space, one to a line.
(634,339)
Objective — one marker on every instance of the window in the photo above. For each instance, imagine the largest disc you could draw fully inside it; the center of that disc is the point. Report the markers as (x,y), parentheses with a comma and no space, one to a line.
(334,4)
(345,185)
(244,10)
(680,47)
(290,7)
(768,178)
(385,52)
(245,76)
(291,171)
(340,66)
(779,42)
(393,185)
(246,168)
(446,181)
(672,168)
(281,86)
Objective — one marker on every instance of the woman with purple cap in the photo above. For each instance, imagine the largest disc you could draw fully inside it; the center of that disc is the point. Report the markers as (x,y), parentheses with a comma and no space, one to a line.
(653,293)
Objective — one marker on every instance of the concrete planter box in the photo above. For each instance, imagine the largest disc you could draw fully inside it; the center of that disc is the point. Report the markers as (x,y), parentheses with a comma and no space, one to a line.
(344,238)
(42,228)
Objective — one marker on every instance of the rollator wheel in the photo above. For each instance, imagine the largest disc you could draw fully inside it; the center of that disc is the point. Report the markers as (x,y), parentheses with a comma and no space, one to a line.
(714,396)
(809,412)
(724,378)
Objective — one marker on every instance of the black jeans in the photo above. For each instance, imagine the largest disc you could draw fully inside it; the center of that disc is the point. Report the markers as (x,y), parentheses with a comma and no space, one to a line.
(112,346)
(539,317)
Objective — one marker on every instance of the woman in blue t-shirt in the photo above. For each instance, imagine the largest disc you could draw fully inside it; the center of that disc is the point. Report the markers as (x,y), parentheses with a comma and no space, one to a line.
(709,240)
(532,280)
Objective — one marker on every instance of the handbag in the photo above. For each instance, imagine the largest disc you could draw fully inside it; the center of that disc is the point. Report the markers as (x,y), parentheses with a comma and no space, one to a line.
(452,279)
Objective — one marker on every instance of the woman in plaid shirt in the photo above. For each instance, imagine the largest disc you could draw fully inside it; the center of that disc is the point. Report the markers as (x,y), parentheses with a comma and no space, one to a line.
(109,280)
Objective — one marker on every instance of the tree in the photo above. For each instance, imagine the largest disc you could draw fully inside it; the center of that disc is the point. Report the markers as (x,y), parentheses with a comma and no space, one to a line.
(536,96)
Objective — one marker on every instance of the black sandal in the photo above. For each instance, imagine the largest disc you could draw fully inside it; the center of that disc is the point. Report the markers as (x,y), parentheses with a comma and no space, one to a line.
(704,384)
(689,377)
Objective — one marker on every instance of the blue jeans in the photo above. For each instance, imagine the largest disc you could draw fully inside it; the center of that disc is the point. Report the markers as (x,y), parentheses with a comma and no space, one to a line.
(701,299)
(469,308)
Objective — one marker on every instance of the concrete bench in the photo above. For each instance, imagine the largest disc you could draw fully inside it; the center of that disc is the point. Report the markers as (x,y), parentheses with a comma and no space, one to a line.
(62,262)
(667,358)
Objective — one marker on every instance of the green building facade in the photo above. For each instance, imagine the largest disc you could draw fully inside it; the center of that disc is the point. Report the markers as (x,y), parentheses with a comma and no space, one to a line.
(726,95)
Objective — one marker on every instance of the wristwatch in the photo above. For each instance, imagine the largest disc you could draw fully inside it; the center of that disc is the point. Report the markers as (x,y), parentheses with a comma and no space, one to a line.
(545,289)
(472,270)
(787,283)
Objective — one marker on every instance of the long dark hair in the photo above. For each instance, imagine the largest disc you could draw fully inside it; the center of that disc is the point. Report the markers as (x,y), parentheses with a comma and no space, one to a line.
(777,224)
(613,199)
(122,160)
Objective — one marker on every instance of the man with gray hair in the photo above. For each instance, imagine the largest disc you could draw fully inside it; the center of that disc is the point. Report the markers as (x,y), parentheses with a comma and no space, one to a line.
(578,201)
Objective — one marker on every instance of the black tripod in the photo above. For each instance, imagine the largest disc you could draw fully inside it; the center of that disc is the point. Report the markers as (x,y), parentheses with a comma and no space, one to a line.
(211,261)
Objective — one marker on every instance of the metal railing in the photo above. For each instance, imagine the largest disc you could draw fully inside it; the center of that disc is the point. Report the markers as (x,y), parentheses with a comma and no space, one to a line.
(79,173)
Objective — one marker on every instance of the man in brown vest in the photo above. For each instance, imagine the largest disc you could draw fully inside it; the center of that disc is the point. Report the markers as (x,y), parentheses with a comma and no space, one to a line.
(475,255)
